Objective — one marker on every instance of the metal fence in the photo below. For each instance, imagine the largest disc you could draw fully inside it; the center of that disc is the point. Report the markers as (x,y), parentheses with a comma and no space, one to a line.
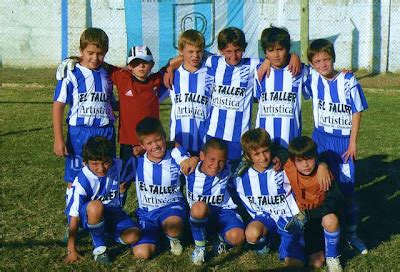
(366,34)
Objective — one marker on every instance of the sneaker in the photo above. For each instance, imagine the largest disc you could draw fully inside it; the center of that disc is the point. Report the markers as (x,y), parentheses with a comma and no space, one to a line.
(262,251)
(198,255)
(102,258)
(176,247)
(355,242)
(334,264)
(219,248)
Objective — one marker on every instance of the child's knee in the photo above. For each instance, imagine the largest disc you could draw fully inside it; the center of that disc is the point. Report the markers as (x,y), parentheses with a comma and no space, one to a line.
(173,226)
(330,222)
(254,231)
(130,236)
(235,236)
(144,251)
(95,209)
(199,210)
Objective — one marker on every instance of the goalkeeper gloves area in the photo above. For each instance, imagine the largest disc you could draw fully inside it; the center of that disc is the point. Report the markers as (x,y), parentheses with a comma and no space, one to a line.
(297,222)
(66,65)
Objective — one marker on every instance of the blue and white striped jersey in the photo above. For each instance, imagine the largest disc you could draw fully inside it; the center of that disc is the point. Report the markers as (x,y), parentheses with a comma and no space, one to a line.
(266,193)
(279,104)
(335,101)
(190,108)
(231,97)
(158,184)
(87,187)
(211,190)
(89,94)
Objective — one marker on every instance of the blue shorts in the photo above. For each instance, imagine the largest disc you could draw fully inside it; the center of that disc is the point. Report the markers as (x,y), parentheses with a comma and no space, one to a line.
(223,220)
(151,222)
(234,149)
(331,148)
(115,219)
(76,139)
(290,246)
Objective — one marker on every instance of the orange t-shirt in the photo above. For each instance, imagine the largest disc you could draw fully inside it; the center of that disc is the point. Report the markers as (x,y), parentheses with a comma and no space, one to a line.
(305,188)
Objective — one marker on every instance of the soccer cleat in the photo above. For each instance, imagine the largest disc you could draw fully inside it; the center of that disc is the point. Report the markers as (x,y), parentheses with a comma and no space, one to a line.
(219,248)
(198,255)
(356,243)
(262,251)
(102,258)
(333,264)
(176,247)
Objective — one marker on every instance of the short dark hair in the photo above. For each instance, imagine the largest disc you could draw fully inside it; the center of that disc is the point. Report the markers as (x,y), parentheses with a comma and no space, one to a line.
(253,139)
(302,147)
(150,125)
(96,36)
(98,149)
(275,35)
(215,143)
(320,45)
(232,35)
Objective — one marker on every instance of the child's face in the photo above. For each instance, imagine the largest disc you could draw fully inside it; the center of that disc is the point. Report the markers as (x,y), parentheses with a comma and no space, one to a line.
(155,146)
(261,158)
(192,56)
(99,168)
(213,161)
(305,166)
(277,55)
(92,56)
(233,54)
(323,63)
(140,68)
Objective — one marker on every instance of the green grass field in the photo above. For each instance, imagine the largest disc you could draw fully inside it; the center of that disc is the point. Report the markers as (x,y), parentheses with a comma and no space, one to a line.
(32,191)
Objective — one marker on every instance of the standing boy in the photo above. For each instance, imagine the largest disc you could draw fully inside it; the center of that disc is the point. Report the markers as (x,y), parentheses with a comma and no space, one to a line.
(211,207)
(267,197)
(95,203)
(88,92)
(190,101)
(338,101)
(279,95)
(162,208)
(320,208)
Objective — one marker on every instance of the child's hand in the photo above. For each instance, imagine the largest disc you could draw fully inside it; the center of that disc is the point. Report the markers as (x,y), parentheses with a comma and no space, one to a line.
(323,176)
(276,161)
(189,165)
(73,256)
(294,64)
(137,150)
(264,69)
(350,153)
(59,149)
(169,77)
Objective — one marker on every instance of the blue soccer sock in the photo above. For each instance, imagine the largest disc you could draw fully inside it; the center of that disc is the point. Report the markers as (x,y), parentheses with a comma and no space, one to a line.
(198,227)
(98,234)
(332,240)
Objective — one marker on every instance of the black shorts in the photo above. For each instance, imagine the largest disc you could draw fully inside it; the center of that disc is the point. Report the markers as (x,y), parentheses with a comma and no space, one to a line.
(314,238)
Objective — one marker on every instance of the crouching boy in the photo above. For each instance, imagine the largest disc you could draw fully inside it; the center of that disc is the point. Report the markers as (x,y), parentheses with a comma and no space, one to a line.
(318,208)
(211,207)
(95,202)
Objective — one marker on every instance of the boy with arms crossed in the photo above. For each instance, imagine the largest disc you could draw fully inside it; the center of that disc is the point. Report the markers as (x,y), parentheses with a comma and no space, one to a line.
(95,203)
(320,209)
(338,101)
(267,197)
(210,203)
(161,204)
(88,91)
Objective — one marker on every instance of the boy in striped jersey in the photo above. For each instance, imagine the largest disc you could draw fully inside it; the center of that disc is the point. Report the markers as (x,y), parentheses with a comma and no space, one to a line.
(190,101)
(279,94)
(338,101)
(162,208)
(87,90)
(267,197)
(95,203)
(211,207)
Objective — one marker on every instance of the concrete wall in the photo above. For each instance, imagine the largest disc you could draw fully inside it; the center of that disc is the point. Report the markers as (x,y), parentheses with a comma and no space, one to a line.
(366,34)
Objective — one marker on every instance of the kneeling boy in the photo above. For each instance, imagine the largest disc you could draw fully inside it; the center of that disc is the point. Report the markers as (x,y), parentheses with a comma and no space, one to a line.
(322,231)
(210,202)
(95,202)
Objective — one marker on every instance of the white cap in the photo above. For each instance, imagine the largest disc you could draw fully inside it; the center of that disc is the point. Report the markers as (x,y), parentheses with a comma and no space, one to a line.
(139,52)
